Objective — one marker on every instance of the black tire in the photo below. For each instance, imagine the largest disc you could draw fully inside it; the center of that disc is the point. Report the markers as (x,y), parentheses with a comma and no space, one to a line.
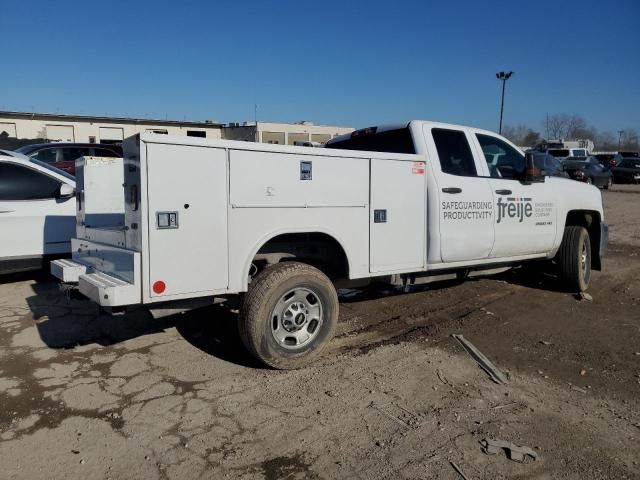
(574,259)
(258,316)
(609,183)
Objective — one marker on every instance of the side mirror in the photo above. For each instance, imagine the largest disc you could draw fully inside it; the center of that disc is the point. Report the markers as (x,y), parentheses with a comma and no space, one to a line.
(532,174)
(66,191)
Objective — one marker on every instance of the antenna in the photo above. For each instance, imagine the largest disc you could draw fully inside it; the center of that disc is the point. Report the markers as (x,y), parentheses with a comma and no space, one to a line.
(255,113)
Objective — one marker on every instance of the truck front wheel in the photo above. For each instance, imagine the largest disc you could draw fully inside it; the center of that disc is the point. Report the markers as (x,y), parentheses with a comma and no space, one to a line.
(288,315)
(574,259)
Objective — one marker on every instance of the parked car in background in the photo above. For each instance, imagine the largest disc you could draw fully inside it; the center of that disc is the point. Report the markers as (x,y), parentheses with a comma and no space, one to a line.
(63,155)
(630,154)
(567,152)
(37,213)
(549,165)
(588,170)
(627,171)
(608,160)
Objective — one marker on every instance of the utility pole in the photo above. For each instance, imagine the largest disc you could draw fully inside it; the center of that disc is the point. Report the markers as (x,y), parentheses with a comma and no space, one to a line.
(504,76)
(620,132)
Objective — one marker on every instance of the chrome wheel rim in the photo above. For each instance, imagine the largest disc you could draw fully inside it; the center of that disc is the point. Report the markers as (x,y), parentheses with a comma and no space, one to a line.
(297,318)
(583,260)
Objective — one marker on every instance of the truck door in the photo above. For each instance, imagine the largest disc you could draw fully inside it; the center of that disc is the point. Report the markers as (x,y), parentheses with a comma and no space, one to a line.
(397,218)
(187,192)
(525,214)
(465,201)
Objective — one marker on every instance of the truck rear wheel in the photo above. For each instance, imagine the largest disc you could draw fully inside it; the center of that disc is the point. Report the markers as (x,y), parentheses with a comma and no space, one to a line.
(574,259)
(288,315)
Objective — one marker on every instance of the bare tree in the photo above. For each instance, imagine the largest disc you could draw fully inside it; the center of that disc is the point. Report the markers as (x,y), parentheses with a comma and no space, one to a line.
(521,135)
(629,139)
(564,126)
(556,126)
(606,141)
(577,128)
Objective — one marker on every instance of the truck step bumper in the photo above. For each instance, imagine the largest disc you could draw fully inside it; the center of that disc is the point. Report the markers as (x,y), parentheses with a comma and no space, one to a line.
(67,270)
(107,290)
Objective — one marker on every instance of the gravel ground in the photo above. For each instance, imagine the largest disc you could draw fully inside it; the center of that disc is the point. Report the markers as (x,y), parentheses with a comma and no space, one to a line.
(89,396)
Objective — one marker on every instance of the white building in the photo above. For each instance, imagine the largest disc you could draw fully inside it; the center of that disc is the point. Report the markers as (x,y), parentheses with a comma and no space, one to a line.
(282,133)
(91,129)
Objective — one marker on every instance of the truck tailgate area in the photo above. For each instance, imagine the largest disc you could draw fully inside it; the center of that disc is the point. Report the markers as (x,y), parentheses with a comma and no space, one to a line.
(108,275)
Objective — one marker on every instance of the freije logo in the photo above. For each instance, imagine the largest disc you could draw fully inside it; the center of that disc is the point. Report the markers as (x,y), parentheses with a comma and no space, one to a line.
(514,207)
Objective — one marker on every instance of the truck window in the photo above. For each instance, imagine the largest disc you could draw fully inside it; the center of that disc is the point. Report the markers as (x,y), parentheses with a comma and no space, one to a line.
(503,160)
(454,152)
(559,152)
(22,183)
(71,154)
(103,152)
(370,140)
(47,155)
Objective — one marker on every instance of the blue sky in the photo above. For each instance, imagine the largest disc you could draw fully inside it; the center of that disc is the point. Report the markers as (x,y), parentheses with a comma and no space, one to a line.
(337,62)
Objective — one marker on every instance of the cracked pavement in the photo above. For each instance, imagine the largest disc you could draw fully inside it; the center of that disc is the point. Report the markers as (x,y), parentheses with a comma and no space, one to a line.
(84,395)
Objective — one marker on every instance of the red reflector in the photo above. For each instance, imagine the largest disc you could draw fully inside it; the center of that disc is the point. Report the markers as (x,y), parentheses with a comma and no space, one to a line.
(159,286)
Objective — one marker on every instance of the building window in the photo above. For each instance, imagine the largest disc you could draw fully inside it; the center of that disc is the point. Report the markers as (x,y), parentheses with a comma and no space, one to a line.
(92,139)
(297,138)
(111,134)
(320,137)
(60,133)
(276,138)
(196,133)
(158,131)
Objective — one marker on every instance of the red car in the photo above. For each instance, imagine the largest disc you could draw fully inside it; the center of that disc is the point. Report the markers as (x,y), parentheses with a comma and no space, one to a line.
(63,155)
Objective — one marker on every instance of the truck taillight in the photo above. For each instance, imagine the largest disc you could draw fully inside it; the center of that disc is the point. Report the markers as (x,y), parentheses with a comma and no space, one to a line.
(159,287)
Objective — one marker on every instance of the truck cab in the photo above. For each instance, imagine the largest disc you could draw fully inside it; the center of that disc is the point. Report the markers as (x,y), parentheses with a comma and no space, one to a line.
(482,208)
(280,226)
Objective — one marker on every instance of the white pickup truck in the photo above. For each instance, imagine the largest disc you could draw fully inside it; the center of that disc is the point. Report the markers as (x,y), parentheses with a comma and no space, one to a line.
(280,225)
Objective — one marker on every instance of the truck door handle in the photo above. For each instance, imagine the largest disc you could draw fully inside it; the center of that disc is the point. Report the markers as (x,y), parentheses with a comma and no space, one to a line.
(452,190)
(504,192)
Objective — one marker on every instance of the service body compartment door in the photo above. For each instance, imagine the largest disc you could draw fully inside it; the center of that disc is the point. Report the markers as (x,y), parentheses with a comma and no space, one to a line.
(187,191)
(398,216)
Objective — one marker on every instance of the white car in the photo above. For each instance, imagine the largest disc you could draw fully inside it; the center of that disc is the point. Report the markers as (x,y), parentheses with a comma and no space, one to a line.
(37,213)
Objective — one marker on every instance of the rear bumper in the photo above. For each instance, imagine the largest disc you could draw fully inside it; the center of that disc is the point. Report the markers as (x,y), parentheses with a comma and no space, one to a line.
(108,275)
(67,270)
(107,290)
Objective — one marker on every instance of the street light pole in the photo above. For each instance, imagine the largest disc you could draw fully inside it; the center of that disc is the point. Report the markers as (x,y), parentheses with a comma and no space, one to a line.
(504,76)
(620,132)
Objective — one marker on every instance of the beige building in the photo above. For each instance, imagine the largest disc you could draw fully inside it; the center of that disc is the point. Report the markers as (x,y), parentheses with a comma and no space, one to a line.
(282,133)
(90,129)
